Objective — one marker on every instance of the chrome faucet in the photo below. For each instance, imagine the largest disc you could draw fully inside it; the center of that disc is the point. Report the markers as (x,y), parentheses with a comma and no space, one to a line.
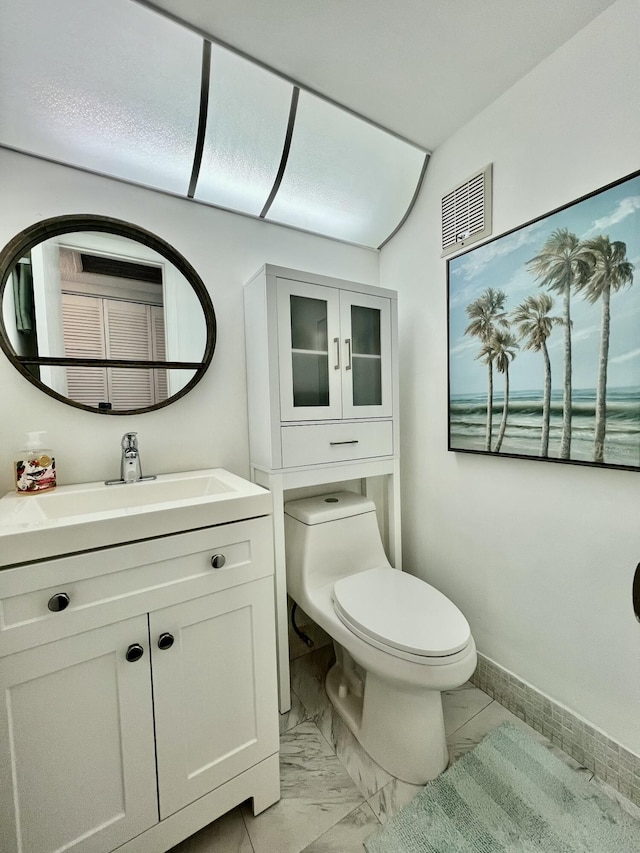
(130,465)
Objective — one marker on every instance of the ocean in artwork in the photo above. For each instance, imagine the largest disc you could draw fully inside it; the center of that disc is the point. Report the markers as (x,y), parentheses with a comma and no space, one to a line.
(468,423)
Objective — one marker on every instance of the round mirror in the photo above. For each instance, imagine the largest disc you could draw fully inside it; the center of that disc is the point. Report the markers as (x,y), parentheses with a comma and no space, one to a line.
(104,315)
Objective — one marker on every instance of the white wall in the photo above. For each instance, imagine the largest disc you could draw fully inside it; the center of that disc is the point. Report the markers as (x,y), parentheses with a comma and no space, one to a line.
(208,427)
(540,557)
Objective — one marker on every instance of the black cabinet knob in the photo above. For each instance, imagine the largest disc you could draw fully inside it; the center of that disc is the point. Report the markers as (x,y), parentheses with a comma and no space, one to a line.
(165,641)
(58,602)
(218,561)
(134,652)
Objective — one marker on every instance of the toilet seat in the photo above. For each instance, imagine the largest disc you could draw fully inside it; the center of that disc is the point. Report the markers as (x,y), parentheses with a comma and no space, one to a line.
(401,614)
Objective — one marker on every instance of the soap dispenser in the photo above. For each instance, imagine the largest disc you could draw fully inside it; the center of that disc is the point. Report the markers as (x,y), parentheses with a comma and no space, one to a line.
(35,471)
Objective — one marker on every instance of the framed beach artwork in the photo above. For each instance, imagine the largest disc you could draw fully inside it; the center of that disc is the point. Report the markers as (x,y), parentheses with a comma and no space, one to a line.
(544,336)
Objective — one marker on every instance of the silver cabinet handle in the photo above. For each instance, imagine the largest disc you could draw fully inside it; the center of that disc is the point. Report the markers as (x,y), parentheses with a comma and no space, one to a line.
(218,561)
(336,366)
(348,343)
(353,441)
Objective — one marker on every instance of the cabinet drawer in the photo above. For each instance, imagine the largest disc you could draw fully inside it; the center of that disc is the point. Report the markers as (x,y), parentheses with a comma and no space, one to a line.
(317,444)
(115,583)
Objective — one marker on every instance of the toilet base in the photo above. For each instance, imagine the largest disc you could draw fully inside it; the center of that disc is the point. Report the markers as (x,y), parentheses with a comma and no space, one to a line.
(402,729)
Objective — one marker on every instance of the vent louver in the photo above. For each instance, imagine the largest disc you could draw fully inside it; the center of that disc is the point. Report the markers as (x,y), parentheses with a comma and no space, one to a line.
(103,265)
(466,212)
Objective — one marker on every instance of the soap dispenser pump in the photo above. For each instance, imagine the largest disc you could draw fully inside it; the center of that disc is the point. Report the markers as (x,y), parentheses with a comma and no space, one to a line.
(36,470)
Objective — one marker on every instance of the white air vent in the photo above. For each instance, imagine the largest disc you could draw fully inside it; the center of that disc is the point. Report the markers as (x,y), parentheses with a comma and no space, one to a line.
(466,212)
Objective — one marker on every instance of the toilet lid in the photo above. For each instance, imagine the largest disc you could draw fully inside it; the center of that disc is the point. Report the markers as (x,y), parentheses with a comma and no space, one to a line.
(402,612)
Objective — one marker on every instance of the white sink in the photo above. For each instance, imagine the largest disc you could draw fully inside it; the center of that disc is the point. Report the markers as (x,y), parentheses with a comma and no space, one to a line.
(93,515)
(97,498)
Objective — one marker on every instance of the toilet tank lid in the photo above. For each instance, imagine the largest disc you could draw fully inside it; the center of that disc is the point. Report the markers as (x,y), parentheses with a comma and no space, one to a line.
(328,507)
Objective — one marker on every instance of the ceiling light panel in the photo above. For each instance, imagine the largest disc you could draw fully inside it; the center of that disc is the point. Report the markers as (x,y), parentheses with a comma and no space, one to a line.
(345,178)
(111,87)
(246,126)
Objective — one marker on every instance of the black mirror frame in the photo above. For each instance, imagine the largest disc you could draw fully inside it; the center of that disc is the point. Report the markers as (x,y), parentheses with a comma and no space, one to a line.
(54,227)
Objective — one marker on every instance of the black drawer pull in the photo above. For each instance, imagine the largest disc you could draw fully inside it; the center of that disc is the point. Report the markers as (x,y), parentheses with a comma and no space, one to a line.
(134,652)
(165,641)
(58,602)
(218,561)
(353,441)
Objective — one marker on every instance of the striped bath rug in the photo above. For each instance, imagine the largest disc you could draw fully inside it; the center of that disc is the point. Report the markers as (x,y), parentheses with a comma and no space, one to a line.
(509,794)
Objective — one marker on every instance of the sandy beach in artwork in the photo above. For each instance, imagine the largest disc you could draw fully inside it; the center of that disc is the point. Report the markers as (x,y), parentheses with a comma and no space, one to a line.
(581,449)
(524,426)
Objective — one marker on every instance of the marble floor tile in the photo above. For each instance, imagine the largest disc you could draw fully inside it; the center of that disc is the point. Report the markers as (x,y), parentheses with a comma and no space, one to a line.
(296,715)
(623,802)
(460,705)
(349,835)
(228,834)
(493,715)
(365,772)
(390,799)
(307,680)
(316,790)
(471,733)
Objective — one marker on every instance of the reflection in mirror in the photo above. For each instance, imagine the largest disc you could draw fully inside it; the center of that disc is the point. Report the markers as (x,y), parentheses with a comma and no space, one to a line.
(91,298)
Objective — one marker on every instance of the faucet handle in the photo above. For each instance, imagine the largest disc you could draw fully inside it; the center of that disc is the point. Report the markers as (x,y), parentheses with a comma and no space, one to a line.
(130,441)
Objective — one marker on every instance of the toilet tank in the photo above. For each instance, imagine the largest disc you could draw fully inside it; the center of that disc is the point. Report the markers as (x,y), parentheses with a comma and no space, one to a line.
(329,537)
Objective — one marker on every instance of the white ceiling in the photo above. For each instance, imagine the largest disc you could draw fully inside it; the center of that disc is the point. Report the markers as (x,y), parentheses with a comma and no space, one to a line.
(421,68)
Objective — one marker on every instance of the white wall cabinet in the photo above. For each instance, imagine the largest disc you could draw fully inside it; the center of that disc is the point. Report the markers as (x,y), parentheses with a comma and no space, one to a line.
(319,351)
(334,353)
(147,706)
(322,381)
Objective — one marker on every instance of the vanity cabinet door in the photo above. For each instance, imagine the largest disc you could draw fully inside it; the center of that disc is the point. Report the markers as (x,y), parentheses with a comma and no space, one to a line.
(214,685)
(77,768)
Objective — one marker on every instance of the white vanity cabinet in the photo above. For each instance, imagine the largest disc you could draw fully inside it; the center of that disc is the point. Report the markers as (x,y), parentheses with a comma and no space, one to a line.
(143,705)
(322,383)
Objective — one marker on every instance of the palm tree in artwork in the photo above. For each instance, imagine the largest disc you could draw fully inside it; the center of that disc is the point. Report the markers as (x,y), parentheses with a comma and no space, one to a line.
(609,271)
(503,345)
(560,266)
(487,314)
(534,325)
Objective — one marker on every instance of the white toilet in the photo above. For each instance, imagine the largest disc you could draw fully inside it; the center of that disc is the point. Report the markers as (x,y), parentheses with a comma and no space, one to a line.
(398,641)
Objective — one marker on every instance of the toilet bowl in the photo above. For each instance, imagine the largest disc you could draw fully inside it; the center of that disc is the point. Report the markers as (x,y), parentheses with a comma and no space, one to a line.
(399,642)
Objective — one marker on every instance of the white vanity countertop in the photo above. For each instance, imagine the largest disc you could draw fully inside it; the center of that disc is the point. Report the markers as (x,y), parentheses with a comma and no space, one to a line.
(77,518)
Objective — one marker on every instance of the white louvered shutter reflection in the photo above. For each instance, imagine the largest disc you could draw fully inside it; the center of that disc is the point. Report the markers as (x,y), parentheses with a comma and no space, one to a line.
(84,338)
(128,335)
(95,327)
(159,351)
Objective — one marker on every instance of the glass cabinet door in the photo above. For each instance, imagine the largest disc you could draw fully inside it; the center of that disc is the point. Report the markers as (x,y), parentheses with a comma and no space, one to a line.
(309,351)
(366,331)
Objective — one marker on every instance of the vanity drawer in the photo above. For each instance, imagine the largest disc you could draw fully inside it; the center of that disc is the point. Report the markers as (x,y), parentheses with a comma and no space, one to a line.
(317,444)
(116,583)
